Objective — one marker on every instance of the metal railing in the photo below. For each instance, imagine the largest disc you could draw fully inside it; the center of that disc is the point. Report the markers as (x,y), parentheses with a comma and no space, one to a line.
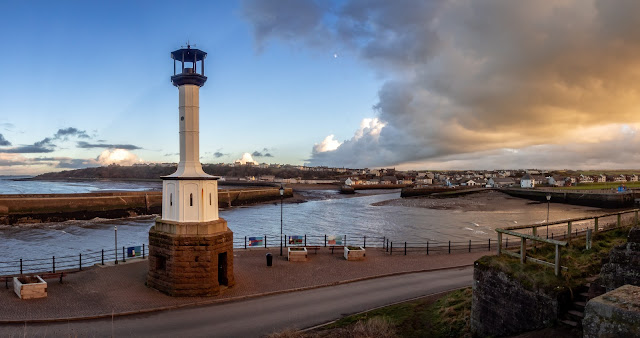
(511,231)
(67,263)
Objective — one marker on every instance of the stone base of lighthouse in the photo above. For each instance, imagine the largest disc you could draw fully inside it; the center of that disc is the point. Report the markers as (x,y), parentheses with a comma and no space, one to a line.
(190,259)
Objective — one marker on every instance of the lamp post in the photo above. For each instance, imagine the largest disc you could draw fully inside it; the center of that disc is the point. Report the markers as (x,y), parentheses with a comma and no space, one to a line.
(548,203)
(281,198)
(115,228)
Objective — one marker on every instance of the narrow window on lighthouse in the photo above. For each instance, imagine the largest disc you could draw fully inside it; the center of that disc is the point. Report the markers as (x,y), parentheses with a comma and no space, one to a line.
(209,198)
(190,200)
(170,199)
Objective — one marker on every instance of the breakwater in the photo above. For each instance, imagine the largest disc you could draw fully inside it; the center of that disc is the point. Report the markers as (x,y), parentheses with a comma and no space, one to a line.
(37,208)
(610,200)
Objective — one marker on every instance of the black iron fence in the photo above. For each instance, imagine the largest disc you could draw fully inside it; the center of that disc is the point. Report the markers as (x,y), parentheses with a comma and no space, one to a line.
(71,263)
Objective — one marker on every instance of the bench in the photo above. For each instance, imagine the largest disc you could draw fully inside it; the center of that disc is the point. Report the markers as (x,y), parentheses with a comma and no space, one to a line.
(314,248)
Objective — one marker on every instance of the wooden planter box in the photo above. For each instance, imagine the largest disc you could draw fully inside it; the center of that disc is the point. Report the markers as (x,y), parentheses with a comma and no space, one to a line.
(30,287)
(297,254)
(354,253)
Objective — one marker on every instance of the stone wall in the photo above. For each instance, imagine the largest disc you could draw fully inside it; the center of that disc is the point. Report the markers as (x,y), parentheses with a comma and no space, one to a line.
(187,265)
(623,265)
(502,306)
(603,199)
(613,314)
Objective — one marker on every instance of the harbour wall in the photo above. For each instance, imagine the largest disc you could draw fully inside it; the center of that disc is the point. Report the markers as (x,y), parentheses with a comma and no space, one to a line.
(610,200)
(38,208)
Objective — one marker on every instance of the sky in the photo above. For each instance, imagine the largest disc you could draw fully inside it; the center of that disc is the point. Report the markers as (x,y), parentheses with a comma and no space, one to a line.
(457,84)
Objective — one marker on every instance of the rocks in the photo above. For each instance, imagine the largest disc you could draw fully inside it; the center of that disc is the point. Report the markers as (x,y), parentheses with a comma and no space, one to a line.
(623,265)
(613,314)
(502,306)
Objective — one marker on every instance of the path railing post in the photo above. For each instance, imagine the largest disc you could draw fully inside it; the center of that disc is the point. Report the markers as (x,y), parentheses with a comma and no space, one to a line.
(21,266)
(265,241)
(80,261)
(557,261)
(142,250)
(427,248)
(469,245)
(102,256)
(588,246)
(449,246)
(489,244)
(619,220)
(305,240)
(54,264)
(391,249)
(123,258)
(405,248)
(523,250)
(499,243)
(364,244)
(325,241)
(569,230)
(635,219)
(245,242)
(596,224)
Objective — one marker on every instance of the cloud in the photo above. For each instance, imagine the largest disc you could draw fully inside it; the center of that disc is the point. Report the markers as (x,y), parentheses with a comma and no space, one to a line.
(3,141)
(328,144)
(7,126)
(65,133)
(44,146)
(246,158)
(218,154)
(86,145)
(261,154)
(66,162)
(117,156)
(465,77)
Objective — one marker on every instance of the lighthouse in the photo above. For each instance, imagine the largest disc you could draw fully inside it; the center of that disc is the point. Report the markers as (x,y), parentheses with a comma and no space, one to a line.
(190,247)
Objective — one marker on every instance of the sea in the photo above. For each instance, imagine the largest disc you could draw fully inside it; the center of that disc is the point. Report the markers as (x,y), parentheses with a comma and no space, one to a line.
(325,213)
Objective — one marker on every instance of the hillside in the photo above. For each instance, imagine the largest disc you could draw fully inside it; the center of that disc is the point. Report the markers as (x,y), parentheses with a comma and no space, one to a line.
(153,172)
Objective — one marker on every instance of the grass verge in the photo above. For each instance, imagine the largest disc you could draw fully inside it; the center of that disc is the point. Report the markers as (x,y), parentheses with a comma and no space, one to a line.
(433,316)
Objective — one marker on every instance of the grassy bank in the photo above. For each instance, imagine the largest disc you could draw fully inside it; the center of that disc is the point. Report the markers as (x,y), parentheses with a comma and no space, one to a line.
(433,316)
(600,186)
(581,263)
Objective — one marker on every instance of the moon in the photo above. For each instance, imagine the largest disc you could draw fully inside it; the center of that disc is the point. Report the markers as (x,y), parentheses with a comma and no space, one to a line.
(335,55)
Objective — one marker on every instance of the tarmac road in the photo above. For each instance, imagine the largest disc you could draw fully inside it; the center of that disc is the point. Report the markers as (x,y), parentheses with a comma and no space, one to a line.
(259,316)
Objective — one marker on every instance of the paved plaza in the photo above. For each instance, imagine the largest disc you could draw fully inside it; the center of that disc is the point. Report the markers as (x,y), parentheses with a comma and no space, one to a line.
(120,290)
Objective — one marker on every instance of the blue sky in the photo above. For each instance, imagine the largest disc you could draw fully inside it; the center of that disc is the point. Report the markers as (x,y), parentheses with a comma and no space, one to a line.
(104,68)
(436,84)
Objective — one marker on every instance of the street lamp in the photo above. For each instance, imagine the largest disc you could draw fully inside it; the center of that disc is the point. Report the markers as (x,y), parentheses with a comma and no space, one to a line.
(115,227)
(548,203)
(281,198)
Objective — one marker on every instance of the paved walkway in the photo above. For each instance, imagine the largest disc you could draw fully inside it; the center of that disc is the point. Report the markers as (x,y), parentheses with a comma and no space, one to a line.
(103,291)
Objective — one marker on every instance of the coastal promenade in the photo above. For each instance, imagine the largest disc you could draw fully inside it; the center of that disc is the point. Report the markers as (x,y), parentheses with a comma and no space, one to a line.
(103,292)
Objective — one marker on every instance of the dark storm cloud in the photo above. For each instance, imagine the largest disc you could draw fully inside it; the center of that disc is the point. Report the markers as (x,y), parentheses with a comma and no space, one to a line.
(261,154)
(473,76)
(86,145)
(44,146)
(65,162)
(67,132)
(3,141)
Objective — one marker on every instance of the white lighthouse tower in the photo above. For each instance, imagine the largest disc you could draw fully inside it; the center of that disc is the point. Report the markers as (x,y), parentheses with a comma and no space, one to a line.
(190,247)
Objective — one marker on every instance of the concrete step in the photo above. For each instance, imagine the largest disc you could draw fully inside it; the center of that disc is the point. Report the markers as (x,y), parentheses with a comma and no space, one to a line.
(569,322)
(575,315)
(579,305)
(585,295)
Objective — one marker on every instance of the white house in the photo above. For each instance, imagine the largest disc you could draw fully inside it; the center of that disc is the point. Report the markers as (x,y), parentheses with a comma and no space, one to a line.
(527,181)
(348,182)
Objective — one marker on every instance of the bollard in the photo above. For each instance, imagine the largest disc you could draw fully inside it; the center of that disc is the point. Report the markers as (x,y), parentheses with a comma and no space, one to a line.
(21,266)
(364,245)
(305,240)
(588,239)
(54,264)
(80,262)
(384,239)
(391,250)
(427,248)
(269,259)
(387,245)
(265,241)
(102,256)
(142,250)
(245,242)
(449,246)
(325,241)
(123,260)
(405,248)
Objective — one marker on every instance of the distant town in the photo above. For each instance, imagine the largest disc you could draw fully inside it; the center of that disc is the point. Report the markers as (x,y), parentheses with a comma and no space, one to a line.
(300,174)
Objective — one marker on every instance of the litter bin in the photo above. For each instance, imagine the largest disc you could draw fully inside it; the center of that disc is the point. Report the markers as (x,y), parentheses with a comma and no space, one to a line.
(269,259)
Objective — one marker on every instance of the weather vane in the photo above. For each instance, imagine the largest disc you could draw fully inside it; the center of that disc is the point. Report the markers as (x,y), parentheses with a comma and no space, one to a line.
(189,45)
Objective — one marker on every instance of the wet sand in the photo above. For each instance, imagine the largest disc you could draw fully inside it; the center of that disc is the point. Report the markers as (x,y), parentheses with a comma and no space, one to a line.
(482,201)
